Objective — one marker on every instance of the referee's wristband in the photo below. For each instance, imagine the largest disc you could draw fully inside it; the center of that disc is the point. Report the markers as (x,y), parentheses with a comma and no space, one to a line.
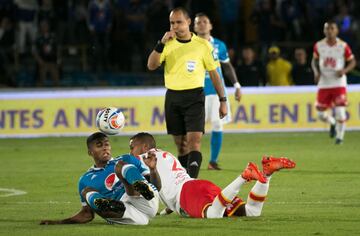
(223,99)
(237,85)
(159,47)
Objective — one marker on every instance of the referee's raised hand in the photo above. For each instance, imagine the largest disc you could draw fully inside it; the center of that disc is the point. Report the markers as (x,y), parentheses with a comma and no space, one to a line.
(169,35)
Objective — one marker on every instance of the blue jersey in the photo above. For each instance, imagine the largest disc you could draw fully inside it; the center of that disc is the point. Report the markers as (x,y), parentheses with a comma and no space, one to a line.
(105,181)
(221,52)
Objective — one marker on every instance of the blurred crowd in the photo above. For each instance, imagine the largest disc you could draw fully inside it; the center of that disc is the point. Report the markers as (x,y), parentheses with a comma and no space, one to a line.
(269,41)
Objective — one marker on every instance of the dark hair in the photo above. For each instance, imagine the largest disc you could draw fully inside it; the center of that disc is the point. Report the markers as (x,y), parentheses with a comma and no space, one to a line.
(183,10)
(95,137)
(145,138)
(202,14)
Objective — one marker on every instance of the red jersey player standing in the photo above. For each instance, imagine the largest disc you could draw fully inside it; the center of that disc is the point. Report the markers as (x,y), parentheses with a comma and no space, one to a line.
(332,60)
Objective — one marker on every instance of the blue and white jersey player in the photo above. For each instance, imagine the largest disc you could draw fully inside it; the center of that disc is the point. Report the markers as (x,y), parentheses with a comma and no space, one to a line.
(115,189)
(203,27)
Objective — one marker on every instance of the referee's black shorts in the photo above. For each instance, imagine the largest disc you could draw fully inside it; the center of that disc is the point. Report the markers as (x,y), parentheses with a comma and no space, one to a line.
(185,111)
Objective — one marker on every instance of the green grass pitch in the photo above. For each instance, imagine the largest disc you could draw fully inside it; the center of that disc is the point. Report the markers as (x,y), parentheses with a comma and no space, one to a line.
(319,197)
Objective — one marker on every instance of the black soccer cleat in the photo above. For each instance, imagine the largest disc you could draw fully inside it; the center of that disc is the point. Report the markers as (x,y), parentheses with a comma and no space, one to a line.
(338,141)
(104,204)
(144,189)
(332,131)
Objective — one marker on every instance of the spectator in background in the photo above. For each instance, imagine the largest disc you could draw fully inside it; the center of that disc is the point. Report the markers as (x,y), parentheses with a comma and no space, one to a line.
(278,69)
(46,55)
(346,26)
(7,41)
(249,70)
(157,15)
(302,73)
(61,12)
(135,14)
(26,16)
(46,13)
(100,19)
(269,26)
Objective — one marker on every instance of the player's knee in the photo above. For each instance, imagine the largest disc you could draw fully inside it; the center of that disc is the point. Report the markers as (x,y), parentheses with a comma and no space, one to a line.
(252,211)
(340,114)
(322,115)
(214,213)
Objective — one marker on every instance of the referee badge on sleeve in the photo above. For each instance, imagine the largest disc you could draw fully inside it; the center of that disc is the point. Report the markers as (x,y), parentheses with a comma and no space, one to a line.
(190,65)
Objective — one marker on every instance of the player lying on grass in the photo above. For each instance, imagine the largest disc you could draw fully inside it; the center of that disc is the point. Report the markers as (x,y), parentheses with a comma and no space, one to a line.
(112,188)
(202,198)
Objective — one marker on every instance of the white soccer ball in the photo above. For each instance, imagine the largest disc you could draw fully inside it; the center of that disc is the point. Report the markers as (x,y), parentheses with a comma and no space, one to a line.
(110,120)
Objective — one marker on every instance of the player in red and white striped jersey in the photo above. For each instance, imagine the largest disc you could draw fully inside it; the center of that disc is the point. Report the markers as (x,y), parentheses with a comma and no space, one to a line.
(201,198)
(332,60)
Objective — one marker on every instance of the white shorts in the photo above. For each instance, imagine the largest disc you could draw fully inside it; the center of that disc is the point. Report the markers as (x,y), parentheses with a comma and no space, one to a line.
(212,105)
(138,210)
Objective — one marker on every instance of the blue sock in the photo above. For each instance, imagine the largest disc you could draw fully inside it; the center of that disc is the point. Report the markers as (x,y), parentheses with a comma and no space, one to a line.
(91,197)
(216,142)
(131,174)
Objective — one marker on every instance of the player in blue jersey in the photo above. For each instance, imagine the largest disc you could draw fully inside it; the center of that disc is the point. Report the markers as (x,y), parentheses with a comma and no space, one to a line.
(203,27)
(112,188)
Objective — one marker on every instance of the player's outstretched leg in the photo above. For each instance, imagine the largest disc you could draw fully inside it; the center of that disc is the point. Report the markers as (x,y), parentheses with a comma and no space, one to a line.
(227,198)
(271,164)
(252,172)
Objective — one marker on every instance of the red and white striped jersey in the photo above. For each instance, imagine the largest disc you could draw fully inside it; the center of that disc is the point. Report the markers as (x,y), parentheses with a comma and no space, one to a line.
(332,58)
(173,175)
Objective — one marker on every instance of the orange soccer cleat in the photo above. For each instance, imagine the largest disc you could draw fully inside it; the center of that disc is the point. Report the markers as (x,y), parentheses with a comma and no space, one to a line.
(252,172)
(271,164)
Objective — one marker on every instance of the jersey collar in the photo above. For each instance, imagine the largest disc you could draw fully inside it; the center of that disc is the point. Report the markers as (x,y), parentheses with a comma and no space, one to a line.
(94,168)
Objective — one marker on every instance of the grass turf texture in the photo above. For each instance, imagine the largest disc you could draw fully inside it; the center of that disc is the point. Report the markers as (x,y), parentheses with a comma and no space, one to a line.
(319,197)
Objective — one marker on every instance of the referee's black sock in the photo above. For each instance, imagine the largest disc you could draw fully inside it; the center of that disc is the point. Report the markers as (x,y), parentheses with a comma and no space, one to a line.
(194,163)
(184,160)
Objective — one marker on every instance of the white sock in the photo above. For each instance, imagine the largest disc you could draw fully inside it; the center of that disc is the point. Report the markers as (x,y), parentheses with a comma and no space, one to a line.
(256,198)
(218,206)
(340,130)
(331,120)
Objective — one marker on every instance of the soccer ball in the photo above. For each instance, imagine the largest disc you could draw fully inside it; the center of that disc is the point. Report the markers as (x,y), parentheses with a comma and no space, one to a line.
(110,120)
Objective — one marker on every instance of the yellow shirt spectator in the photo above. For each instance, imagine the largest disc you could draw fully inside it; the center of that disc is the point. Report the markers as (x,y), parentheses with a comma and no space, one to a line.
(279,72)
(278,69)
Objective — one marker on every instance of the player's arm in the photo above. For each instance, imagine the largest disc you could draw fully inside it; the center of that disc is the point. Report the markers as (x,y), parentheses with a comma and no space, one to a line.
(316,69)
(315,64)
(215,78)
(350,65)
(83,216)
(154,58)
(151,161)
(229,72)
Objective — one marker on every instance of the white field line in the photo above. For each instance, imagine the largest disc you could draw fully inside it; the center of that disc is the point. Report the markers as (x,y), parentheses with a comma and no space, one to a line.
(9,192)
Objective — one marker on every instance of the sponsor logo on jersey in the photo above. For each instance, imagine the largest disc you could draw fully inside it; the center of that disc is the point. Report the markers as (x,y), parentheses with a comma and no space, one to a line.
(110,181)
